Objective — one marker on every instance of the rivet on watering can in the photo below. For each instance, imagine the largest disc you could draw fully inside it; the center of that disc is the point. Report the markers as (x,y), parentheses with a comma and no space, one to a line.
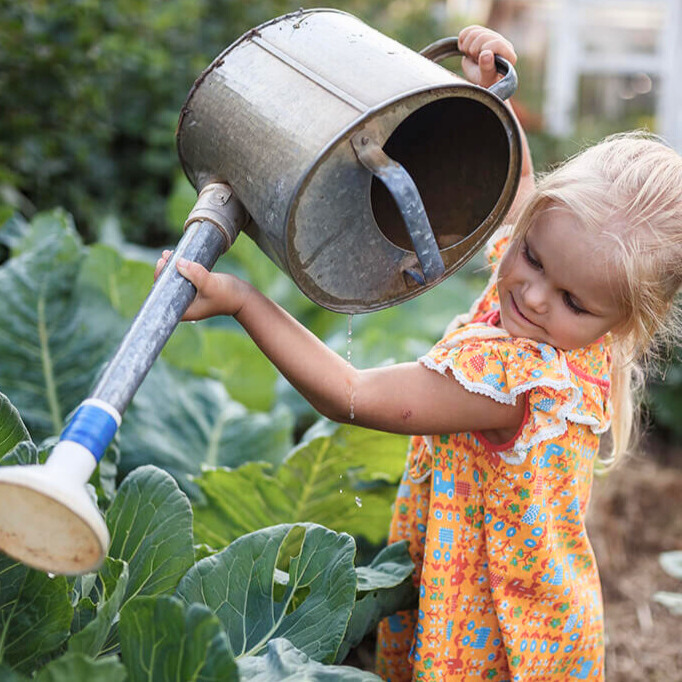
(364,140)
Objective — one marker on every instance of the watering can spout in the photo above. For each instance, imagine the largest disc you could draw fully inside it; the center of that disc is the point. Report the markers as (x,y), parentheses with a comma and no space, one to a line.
(47,518)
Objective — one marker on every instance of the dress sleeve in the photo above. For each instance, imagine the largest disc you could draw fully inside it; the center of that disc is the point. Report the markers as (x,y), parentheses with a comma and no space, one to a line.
(497,245)
(504,368)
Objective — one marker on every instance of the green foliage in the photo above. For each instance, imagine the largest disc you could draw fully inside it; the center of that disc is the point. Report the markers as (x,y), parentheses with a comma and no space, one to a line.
(338,478)
(91,91)
(201,426)
(239,586)
(35,614)
(664,399)
(163,638)
(96,611)
(12,429)
(51,342)
(384,587)
(151,530)
(153,605)
(70,667)
(152,613)
(283,662)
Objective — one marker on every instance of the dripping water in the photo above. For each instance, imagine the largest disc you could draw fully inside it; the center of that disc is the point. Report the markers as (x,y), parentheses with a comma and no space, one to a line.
(349,338)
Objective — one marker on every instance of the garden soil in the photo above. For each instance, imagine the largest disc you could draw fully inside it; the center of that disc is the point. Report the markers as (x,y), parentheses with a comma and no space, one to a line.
(635,514)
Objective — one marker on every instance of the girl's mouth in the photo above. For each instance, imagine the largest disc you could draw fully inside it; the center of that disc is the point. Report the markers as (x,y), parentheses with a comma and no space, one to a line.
(516,309)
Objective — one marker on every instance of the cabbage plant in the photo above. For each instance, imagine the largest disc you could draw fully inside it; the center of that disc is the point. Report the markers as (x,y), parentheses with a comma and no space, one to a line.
(233,550)
(282,602)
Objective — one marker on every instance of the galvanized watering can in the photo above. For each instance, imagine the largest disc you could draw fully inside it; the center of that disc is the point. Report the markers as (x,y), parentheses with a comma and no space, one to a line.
(368,173)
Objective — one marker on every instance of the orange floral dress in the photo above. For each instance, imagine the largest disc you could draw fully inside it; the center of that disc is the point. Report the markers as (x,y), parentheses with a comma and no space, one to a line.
(508,584)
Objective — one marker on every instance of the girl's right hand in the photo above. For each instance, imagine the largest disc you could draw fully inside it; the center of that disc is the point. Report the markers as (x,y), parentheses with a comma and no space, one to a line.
(217,293)
(480,45)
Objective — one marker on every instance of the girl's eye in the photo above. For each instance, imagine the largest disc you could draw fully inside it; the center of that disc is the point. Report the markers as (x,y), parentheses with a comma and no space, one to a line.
(568,300)
(529,257)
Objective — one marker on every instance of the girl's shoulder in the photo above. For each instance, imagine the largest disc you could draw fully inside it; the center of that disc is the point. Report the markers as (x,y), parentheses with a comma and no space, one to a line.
(559,386)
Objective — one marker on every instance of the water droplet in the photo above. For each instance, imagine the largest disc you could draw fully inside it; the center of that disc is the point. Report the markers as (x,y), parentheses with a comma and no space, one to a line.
(51,575)
(352,404)
(192,321)
(340,490)
(358,501)
(349,339)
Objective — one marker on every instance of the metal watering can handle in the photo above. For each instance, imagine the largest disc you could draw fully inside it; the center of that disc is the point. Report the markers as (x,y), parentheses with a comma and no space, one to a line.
(406,195)
(449,47)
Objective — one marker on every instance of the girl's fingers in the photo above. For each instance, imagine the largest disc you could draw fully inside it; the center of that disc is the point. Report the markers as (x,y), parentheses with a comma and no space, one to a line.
(159,266)
(475,39)
(161,263)
(486,62)
(194,272)
(466,35)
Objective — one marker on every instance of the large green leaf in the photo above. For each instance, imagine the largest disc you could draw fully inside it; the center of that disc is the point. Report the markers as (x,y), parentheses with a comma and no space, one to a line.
(123,282)
(50,346)
(165,640)
(27,452)
(150,521)
(109,592)
(312,610)
(9,675)
(13,231)
(384,587)
(228,356)
(12,429)
(35,614)
(76,667)
(284,663)
(337,478)
(389,568)
(181,423)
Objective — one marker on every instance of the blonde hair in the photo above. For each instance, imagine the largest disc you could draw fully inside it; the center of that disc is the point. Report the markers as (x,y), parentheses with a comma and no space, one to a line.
(628,188)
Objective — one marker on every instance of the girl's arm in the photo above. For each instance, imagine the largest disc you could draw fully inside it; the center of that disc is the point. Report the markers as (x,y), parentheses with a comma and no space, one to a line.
(406,398)
(481,45)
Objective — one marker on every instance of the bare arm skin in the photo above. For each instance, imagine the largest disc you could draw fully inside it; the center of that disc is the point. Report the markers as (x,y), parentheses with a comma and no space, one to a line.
(406,398)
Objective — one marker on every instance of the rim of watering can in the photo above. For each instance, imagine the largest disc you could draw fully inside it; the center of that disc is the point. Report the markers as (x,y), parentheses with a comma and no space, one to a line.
(477,238)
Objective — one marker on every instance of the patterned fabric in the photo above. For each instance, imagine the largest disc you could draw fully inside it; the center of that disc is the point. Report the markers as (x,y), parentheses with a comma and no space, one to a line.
(508,585)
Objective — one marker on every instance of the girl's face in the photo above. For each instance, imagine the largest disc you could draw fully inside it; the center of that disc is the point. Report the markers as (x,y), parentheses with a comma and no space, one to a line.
(554,284)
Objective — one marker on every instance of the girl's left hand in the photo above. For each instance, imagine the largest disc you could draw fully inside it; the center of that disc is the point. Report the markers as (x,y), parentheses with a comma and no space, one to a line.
(217,293)
(480,45)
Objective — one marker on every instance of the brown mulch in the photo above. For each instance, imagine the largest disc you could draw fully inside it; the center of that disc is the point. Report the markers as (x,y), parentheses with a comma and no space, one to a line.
(635,514)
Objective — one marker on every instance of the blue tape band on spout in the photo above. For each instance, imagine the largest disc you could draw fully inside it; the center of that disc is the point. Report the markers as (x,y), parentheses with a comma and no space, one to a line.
(93,428)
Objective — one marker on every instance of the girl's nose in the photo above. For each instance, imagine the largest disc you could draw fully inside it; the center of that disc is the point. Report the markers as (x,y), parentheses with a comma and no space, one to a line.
(535,296)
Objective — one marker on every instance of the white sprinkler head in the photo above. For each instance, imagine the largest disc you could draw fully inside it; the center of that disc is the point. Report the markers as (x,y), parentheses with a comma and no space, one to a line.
(47,519)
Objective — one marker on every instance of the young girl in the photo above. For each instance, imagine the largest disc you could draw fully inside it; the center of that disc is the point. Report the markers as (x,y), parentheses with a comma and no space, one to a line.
(512,402)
